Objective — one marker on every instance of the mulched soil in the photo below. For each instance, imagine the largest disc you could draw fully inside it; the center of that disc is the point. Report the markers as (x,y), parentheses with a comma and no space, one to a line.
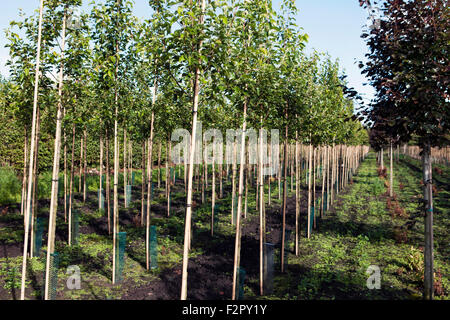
(209,274)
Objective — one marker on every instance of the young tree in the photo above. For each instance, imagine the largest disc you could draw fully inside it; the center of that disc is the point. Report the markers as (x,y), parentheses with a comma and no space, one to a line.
(408,66)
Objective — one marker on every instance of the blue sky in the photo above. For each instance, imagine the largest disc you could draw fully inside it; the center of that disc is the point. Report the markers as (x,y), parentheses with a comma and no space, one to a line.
(333,26)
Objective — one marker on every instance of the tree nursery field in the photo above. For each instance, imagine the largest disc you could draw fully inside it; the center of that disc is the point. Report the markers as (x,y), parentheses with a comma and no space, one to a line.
(205,154)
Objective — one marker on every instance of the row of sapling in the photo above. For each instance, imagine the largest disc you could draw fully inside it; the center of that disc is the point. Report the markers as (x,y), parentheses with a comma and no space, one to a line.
(408,67)
(242,63)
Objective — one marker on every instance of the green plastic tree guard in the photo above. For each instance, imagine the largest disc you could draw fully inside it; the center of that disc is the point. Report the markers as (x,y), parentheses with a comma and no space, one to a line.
(101,198)
(128,190)
(120,255)
(216,214)
(241,281)
(311,222)
(268,255)
(75,227)
(53,284)
(153,248)
(38,232)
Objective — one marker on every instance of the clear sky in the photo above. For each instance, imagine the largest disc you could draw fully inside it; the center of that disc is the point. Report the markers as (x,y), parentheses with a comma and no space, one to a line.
(333,26)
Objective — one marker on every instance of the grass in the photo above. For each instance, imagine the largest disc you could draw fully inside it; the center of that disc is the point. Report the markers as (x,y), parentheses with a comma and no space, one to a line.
(357,232)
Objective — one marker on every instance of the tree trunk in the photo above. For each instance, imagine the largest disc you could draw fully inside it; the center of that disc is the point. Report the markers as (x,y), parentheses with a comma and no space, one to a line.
(237,247)
(309,190)
(187,230)
(143,183)
(314,169)
(169,180)
(391,174)
(81,166)
(85,166)
(101,173)
(323,151)
(213,192)
(428,198)
(297,193)
(328,176)
(35,178)
(261,214)
(220,180)
(233,183)
(159,165)
(116,159)
(108,181)
(24,180)
(149,179)
(125,177)
(71,187)
(31,165)
(65,172)
(285,187)
(270,176)
(55,174)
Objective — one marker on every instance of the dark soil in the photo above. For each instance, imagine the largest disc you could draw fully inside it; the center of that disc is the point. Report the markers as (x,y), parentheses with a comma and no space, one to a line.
(210,274)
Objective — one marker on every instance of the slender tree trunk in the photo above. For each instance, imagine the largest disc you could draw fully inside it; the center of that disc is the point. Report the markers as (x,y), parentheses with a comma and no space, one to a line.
(167,172)
(391,174)
(101,173)
(130,162)
(270,176)
(143,183)
(203,179)
(24,180)
(116,158)
(55,174)
(65,171)
(185,158)
(323,166)
(237,247)
(328,176)
(261,214)
(85,166)
(71,187)
(206,174)
(108,181)
(333,173)
(149,179)
(297,193)
(187,231)
(428,199)
(233,183)
(31,165)
(338,168)
(159,165)
(35,182)
(309,190)
(81,166)
(285,191)
(220,180)
(169,180)
(314,169)
(213,192)
(279,182)
(125,177)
